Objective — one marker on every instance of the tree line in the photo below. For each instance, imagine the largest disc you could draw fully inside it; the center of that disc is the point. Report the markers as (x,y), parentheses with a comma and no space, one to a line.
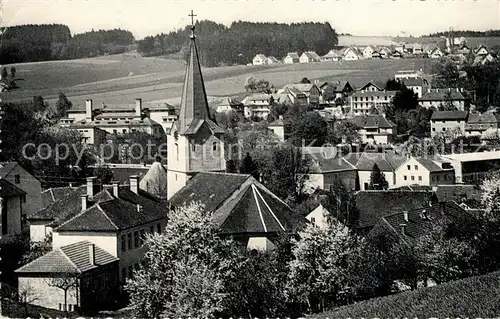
(31,43)
(466,33)
(238,44)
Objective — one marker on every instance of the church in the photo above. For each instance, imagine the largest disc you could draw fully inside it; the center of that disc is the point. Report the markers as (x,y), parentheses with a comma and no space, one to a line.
(243,207)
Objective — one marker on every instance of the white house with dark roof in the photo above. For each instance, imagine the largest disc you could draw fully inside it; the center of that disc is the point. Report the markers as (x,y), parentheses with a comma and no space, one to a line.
(437,97)
(278,128)
(368,52)
(291,58)
(309,57)
(257,105)
(272,60)
(374,129)
(352,54)
(448,121)
(424,171)
(311,91)
(331,56)
(319,216)
(362,102)
(89,272)
(259,59)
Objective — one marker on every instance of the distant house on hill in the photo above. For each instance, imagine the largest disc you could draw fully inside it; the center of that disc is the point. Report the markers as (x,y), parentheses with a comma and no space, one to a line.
(374,129)
(352,54)
(367,52)
(448,121)
(291,57)
(481,50)
(259,59)
(332,55)
(436,97)
(271,60)
(436,53)
(483,59)
(396,55)
(416,85)
(311,91)
(384,52)
(308,57)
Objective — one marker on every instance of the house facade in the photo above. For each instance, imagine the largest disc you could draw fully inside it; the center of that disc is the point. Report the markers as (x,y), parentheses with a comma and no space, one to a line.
(361,102)
(424,172)
(259,59)
(352,54)
(368,52)
(374,129)
(437,97)
(448,121)
(310,91)
(308,57)
(291,58)
(478,123)
(319,216)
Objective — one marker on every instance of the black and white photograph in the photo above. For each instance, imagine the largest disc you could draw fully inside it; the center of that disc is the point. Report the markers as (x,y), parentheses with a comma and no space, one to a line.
(258,159)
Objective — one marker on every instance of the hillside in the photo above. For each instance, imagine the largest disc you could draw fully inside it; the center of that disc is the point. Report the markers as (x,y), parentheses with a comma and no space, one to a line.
(476,297)
(122,78)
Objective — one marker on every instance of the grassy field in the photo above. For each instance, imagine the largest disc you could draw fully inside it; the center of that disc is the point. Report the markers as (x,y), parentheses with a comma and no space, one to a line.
(120,79)
(476,297)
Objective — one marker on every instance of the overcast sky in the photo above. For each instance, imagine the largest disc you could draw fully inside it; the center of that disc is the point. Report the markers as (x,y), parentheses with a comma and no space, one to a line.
(358,17)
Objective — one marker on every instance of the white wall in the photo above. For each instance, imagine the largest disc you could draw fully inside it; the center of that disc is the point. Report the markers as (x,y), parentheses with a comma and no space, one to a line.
(319,215)
(40,292)
(105,241)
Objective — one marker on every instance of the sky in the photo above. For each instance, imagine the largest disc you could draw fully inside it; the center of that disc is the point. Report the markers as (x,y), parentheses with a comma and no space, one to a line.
(358,17)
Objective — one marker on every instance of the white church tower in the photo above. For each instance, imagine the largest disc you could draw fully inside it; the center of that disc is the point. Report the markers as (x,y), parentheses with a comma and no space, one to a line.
(195,142)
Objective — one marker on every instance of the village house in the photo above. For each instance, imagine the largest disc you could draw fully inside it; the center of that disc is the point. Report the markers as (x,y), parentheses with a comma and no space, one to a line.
(478,123)
(95,124)
(437,97)
(374,129)
(259,59)
(373,205)
(424,172)
(340,90)
(352,54)
(396,54)
(308,57)
(227,105)
(17,175)
(12,200)
(278,128)
(311,91)
(361,102)
(319,216)
(481,50)
(407,74)
(387,162)
(417,85)
(367,52)
(326,167)
(384,52)
(448,121)
(436,53)
(331,56)
(470,168)
(483,59)
(272,60)
(370,87)
(243,208)
(291,57)
(257,105)
(69,277)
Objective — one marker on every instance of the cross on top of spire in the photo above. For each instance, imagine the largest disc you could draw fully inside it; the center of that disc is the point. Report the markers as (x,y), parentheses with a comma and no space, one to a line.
(192,15)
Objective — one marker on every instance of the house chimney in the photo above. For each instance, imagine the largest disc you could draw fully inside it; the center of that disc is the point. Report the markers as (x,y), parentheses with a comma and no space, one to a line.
(89,110)
(134,183)
(405,216)
(116,186)
(139,208)
(90,186)
(85,202)
(138,107)
(92,254)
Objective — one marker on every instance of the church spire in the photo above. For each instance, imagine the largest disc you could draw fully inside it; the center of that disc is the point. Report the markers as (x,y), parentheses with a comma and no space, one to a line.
(194,105)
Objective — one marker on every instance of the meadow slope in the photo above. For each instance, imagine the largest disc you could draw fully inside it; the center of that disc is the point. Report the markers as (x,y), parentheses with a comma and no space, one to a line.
(122,78)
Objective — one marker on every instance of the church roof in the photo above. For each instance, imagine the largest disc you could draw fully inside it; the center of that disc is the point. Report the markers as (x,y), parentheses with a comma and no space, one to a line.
(240,204)
(194,104)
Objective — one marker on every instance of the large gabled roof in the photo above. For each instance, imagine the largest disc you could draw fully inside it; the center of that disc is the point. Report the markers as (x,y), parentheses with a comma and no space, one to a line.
(72,259)
(7,189)
(387,161)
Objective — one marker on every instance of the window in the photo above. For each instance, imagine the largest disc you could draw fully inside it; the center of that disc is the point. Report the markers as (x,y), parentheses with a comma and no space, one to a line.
(434,129)
(136,239)
(115,132)
(406,178)
(130,241)
(124,131)
(17,178)
(158,227)
(313,220)
(124,244)
(193,147)
(409,167)
(416,167)
(413,178)
(214,146)
(420,178)
(443,129)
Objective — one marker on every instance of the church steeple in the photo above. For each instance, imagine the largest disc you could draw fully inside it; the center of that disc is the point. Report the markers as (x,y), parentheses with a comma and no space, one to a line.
(194,105)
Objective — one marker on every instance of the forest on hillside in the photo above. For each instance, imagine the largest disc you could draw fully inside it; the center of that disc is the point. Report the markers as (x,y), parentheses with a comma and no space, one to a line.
(467,33)
(30,43)
(219,45)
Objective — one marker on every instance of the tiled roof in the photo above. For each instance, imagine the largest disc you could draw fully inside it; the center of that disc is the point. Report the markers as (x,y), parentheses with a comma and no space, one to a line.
(6,168)
(371,83)
(430,165)
(421,221)
(66,207)
(240,203)
(55,194)
(261,56)
(7,189)
(442,95)
(373,205)
(372,121)
(413,82)
(324,165)
(70,259)
(449,115)
(122,174)
(457,192)
(302,87)
(478,118)
(118,213)
(202,188)
(155,179)
(387,161)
